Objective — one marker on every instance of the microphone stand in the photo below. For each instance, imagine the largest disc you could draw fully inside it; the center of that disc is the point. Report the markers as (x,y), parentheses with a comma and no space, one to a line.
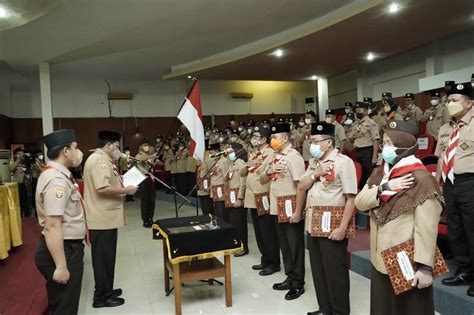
(171,188)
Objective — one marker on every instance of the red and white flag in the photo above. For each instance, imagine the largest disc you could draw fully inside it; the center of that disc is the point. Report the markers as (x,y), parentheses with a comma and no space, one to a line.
(191,116)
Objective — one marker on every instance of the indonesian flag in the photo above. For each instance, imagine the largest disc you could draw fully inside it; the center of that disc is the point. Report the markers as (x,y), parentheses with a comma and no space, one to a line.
(404,166)
(191,116)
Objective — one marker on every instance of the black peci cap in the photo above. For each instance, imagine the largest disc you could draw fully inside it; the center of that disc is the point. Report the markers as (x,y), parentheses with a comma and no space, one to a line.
(461,88)
(263,130)
(323,128)
(362,105)
(279,128)
(59,137)
(410,95)
(109,135)
(387,94)
(330,112)
(215,146)
(435,94)
(347,104)
(311,112)
(144,141)
(368,99)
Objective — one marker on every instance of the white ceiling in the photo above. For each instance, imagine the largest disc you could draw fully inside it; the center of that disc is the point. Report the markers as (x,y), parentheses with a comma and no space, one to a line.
(145,38)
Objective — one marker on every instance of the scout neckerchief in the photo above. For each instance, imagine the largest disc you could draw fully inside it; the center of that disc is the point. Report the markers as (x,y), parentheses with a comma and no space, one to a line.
(116,172)
(404,166)
(447,170)
(76,186)
(276,160)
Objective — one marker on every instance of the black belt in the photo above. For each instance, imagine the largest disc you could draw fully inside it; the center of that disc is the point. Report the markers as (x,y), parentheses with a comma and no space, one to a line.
(463,176)
(364,148)
(77,241)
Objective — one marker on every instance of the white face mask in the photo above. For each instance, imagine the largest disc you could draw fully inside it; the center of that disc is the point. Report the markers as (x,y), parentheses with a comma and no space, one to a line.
(434,102)
(116,155)
(347,110)
(301,123)
(146,149)
(77,160)
(348,122)
(307,121)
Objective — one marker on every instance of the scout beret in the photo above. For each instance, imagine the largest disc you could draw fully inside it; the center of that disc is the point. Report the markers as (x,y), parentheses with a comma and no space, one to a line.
(387,94)
(311,112)
(368,99)
(461,88)
(263,130)
(361,105)
(435,94)
(330,112)
(60,137)
(323,128)
(279,128)
(400,125)
(109,135)
(410,95)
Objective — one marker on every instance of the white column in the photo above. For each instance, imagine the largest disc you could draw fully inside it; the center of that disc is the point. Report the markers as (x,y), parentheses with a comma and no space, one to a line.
(45,91)
(434,62)
(323,97)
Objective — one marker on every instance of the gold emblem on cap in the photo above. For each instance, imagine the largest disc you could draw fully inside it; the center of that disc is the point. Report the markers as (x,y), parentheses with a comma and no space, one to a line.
(274,128)
(460,87)
(393,125)
(256,128)
(319,128)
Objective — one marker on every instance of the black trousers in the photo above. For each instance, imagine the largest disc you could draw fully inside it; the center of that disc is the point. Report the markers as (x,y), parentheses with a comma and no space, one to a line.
(291,239)
(221,213)
(364,157)
(207,206)
(460,219)
(148,195)
(24,202)
(238,218)
(168,178)
(181,184)
(104,252)
(384,301)
(330,274)
(190,182)
(62,298)
(267,239)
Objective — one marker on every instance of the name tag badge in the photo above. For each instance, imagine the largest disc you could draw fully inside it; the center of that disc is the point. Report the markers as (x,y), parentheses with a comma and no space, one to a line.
(219,192)
(205,184)
(326,222)
(232,197)
(405,265)
(266,203)
(288,208)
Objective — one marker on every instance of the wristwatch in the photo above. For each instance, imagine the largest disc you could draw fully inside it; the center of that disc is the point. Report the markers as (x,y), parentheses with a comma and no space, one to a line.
(313,178)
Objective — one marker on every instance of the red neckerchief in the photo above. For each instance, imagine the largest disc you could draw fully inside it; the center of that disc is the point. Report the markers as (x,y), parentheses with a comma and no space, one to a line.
(275,160)
(76,186)
(329,176)
(116,172)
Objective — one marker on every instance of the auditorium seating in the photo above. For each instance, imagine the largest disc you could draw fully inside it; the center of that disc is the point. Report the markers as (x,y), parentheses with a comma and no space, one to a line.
(426,145)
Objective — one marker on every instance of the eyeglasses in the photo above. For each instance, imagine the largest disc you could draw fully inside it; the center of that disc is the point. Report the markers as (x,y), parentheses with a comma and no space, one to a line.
(319,141)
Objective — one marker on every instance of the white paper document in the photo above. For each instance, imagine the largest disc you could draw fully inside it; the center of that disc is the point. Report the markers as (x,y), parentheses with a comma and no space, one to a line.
(266,203)
(219,192)
(405,265)
(326,222)
(205,184)
(232,197)
(288,208)
(133,177)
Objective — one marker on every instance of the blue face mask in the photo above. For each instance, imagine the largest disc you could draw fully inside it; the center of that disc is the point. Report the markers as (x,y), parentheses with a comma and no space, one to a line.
(232,156)
(315,150)
(389,154)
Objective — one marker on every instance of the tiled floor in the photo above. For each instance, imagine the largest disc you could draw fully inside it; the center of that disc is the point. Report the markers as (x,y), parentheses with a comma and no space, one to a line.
(139,272)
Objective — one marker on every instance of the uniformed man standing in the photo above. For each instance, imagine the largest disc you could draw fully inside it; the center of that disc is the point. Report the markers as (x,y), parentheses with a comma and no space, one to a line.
(283,172)
(103,197)
(60,252)
(412,113)
(309,119)
(181,162)
(217,174)
(204,179)
(392,111)
(436,116)
(347,110)
(330,181)
(456,166)
(190,173)
(147,189)
(340,133)
(263,223)
(365,134)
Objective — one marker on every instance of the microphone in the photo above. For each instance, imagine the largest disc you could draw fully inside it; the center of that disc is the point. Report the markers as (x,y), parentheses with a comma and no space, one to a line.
(225,152)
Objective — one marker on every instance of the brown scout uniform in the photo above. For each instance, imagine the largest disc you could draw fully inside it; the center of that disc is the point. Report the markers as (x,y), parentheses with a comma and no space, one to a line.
(218,174)
(436,118)
(412,115)
(340,134)
(103,212)
(253,186)
(327,256)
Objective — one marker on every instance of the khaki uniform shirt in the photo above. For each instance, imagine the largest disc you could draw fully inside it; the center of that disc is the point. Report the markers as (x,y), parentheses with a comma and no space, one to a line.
(412,115)
(340,134)
(324,193)
(464,157)
(436,117)
(104,212)
(262,157)
(234,180)
(18,173)
(181,157)
(168,157)
(420,225)
(285,183)
(190,164)
(56,195)
(364,133)
(144,165)
(202,170)
(219,172)
(306,144)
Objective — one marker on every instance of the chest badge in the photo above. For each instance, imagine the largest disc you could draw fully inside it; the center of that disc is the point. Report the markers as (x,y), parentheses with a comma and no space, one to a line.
(326,183)
(464,146)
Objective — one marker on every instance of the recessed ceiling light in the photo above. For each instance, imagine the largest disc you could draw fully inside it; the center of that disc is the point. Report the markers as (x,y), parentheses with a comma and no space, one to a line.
(3,12)
(370,56)
(314,77)
(190,77)
(393,8)
(278,53)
